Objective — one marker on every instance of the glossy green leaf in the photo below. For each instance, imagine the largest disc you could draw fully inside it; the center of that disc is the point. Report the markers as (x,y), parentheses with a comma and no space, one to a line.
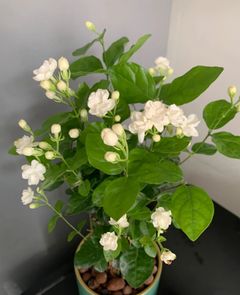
(136,266)
(171,145)
(120,195)
(78,204)
(204,148)
(85,65)
(112,54)
(99,192)
(53,175)
(78,159)
(111,255)
(52,223)
(192,209)
(133,82)
(218,113)
(84,188)
(186,88)
(134,48)
(227,144)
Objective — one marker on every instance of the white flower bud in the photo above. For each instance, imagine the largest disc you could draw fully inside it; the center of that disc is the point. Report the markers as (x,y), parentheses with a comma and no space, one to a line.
(46,84)
(23,124)
(232,91)
(156,138)
(109,241)
(50,94)
(44,145)
(55,129)
(152,71)
(28,151)
(170,72)
(122,222)
(109,137)
(49,155)
(161,219)
(167,256)
(118,129)
(84,115)
(33,206)
(179,132)
(74,133)
(111,157)
(63,64)
(238,107)
(90,26)
(117,118)
(61,86)
(115,95)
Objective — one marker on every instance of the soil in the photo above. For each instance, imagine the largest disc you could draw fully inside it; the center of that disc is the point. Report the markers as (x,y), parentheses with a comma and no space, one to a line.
(111,282)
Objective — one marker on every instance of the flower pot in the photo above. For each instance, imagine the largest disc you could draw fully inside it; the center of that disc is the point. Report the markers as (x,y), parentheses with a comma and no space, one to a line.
(150,290)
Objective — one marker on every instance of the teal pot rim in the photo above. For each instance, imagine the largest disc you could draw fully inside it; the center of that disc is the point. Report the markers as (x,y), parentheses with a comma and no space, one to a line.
(90,291)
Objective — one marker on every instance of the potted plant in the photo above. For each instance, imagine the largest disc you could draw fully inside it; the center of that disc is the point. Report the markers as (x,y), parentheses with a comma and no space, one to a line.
(119,150)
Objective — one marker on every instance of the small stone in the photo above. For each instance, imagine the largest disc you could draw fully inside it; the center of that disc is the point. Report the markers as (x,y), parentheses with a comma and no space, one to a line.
(83,270)
(117,293)
(93,284)
(127,290)
(86,276)
(116,284)
(155,269)
(149,280)
(101,278)
(94,272)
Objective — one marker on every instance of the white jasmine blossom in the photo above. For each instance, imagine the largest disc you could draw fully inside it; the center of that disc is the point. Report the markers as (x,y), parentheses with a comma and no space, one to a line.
(156,112)
(63,64)
(139,125)
(34,172)
(109,137)
(175,115)
(167,256)
(25,142)
(46,70)
(100,104)
(163,66)
(74,133)
(189,125)
(109,241)
(161,219)
(111,157)
(27,196)
(122,222)
(55,129)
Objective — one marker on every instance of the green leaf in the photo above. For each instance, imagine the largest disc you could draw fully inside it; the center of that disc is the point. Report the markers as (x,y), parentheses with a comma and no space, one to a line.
(171,145)
(59,206)
(53,175)
(12,151)
(86,65)
(125,57)
(99,192)
(120,195)
(78,159)
(204,148)
(133,82)
(52,223)
(218,113)
(112,54)
(149,246)
(84,188)
(96,150)
(186,88)
(136,266)
(192,209)
(164,201)
(227,144)
(78,204)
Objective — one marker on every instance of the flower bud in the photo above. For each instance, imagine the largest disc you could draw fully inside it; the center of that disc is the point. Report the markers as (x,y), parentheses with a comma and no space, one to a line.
(49,155)
(50,94)
(179,132)
(44,145)
(232,90)
(109,137)
(56,129)
(118,129)
(156,138)
(84,115)
(74,133)
(167,256)
(46,84)
(238,107)
(115,95)
(152,71)
(170,72)
(28,151)
(33,206)
(63,64)
(117,118)
(61,86)
(90,26)
(111,157)
(24,125)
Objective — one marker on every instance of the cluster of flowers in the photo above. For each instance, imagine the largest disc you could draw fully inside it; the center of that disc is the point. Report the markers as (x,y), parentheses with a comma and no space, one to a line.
(161,220)
(162,68)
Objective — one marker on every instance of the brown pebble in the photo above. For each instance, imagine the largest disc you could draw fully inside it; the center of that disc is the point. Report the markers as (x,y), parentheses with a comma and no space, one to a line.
(83,270)
(86,276)
(101,278)
(117,293)
(94,272)
(116,284)
(149,280)
(127,290)
(93,284)
(155,269)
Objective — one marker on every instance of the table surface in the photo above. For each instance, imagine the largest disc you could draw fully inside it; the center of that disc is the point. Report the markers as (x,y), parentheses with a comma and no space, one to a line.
(209,266)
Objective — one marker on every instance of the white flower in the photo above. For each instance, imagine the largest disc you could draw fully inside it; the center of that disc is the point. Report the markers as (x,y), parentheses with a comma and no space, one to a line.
(111,157)
(156,112)
(34,172)
(167,256)
(109,137)
(46,70)
(99,103)
(118,129)
(55,129)
(161,219)
(163,66)
(175,115)
(27,196)
(23,143)
(63,64)
(139,125)
(122,222)
(109,241)
(74,133)
(189,124)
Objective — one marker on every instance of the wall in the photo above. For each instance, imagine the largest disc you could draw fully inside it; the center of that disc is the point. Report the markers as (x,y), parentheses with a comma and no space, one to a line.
(207,32)
(31,31)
